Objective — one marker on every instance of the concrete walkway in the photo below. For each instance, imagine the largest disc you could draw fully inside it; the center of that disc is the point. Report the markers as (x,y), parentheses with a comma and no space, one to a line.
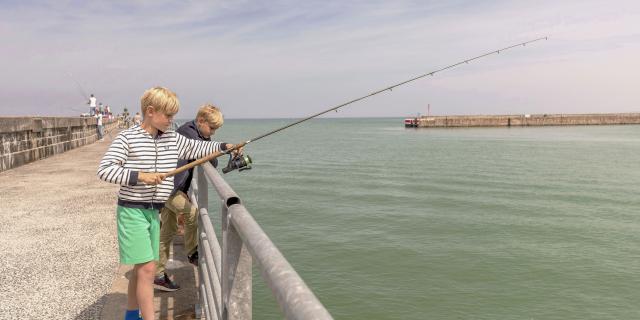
(58,245)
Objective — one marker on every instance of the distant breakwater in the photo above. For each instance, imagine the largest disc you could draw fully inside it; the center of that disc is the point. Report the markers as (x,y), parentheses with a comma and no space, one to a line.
(523,120)
(27,139)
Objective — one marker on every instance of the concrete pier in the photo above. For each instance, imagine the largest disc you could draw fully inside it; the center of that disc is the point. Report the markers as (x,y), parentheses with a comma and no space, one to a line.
(525,120)
(59,246)
(27,139)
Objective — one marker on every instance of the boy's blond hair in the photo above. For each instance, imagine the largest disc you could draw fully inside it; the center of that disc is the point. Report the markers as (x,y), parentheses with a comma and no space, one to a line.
(212,115)
(162,100)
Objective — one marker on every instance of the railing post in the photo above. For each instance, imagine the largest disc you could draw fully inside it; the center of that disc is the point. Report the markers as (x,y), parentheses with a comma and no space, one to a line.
(202,306)
(236,273)
(203,202)
(203,192)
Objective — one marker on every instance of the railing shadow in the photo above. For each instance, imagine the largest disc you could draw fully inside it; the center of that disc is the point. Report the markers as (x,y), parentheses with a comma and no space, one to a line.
(95,310)
(179,304)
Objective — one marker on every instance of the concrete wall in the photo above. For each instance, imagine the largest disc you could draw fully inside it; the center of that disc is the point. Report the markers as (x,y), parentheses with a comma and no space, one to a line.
(530,120)
(27,139)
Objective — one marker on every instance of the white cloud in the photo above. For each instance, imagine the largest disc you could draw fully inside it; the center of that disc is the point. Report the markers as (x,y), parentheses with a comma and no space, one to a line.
(286,59)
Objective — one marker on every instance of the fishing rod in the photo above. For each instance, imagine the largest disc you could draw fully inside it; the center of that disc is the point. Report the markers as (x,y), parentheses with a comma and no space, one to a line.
(82,92)
(240,163)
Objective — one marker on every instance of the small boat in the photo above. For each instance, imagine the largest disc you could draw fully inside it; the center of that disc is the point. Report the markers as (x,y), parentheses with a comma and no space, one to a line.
(411,122)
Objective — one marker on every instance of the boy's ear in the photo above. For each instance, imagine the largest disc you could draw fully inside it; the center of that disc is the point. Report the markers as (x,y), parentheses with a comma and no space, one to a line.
(149,111)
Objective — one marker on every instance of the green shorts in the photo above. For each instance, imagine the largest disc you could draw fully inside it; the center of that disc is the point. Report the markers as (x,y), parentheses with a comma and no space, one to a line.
(138,235)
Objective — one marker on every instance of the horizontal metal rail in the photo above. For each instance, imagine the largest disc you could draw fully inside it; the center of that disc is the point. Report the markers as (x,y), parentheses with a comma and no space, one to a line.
(227,195)
(296,300)
(207,226)
(225,272)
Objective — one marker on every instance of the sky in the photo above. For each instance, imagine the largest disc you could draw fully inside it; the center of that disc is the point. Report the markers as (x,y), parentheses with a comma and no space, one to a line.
(291,59)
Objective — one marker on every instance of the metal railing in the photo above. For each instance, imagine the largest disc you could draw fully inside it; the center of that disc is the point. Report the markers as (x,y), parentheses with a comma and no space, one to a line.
(224,272)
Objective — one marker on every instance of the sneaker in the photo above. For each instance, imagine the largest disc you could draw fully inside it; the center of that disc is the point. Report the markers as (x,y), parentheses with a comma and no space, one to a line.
(193,258)
(163,283)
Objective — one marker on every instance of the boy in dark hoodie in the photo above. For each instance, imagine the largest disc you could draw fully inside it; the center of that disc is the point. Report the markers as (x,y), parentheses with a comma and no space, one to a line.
(208,120)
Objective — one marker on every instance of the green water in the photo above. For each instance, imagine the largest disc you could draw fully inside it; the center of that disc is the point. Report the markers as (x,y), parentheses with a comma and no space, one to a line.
(384,222)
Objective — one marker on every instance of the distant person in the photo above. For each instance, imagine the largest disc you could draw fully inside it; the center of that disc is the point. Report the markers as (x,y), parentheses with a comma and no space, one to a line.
(137,119)
(120,118)
(127,118)
(92,105)
(207,121)
(100,107)
(99,126)
(143,193)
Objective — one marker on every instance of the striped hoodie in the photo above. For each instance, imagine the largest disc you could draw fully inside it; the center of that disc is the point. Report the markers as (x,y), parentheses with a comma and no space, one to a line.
(135,150)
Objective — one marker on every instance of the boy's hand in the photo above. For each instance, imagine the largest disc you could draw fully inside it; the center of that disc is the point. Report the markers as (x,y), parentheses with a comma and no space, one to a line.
(150,177)
(234,152)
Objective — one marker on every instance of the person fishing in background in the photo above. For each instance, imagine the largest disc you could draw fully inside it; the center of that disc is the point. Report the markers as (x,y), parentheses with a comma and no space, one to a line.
(99,126)
(92,105)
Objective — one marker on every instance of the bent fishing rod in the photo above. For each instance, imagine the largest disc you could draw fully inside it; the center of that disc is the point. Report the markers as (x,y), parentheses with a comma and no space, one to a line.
(390,88)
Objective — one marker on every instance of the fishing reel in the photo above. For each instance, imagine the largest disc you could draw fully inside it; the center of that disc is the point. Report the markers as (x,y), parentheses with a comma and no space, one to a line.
(240,161)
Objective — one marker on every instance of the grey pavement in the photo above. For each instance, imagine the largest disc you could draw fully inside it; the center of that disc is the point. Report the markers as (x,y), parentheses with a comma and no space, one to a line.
(58,243)
(177,305)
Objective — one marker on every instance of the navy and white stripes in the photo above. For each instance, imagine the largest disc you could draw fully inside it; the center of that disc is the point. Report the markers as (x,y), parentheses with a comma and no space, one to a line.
(135,150)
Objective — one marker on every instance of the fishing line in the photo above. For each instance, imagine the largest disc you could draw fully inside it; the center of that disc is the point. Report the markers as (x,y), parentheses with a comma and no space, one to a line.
(390,88)
(82,92)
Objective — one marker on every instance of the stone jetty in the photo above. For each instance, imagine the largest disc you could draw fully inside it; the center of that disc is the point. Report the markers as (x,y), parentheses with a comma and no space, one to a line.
(523,120)
(27,139)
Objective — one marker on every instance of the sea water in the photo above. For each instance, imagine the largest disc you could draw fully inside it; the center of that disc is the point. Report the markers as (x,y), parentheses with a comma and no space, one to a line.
(384,222)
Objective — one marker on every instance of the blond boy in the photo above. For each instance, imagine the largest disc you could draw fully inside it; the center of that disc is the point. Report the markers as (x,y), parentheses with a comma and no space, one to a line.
(208,120)
(138,159)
